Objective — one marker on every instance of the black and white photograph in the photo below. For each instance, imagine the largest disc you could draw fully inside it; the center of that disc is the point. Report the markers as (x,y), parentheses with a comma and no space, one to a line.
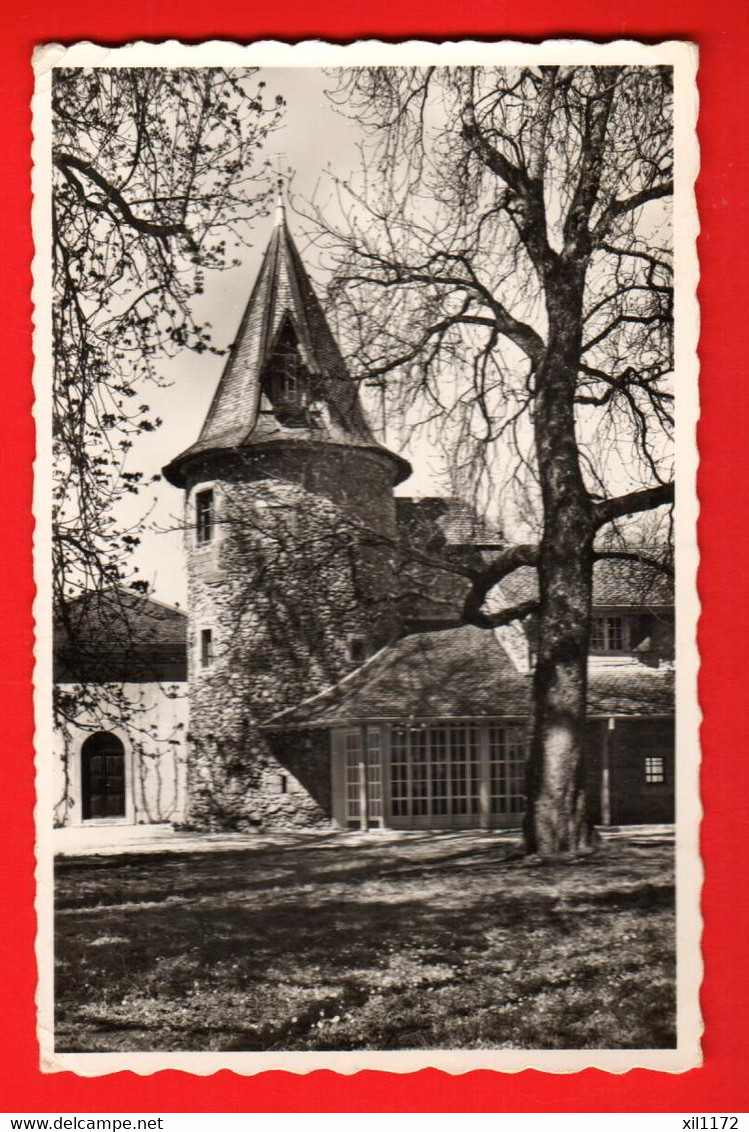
(366,395)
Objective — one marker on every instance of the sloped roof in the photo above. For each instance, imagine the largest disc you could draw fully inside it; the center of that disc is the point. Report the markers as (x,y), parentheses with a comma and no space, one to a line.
(282,296)
(616,582)
(119,634)
(120,616)
(454,520)
(464,673)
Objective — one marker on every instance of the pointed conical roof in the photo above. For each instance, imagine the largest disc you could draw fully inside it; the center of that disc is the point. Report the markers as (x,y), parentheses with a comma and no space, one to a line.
(282,301)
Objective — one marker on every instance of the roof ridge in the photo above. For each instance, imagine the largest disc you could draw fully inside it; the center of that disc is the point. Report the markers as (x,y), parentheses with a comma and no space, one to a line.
(114,588)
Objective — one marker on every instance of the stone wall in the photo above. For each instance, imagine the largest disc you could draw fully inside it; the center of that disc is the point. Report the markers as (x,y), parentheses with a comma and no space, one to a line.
(298,573)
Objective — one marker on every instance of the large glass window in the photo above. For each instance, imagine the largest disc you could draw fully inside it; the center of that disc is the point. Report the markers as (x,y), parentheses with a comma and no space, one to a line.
(434,771)
(352,742)
(507,754)
(399,772)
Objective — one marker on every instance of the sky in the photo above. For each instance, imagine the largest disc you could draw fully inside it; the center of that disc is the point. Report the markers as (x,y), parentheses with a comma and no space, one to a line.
(313,139)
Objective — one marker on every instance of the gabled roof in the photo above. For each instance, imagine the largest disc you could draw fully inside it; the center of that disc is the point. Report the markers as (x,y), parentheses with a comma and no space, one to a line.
(464,673)
(283,298)
(117,634)
(616,582)
(120,616)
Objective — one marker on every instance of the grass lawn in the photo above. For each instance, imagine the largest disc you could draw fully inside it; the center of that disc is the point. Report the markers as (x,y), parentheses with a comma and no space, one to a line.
(419,941)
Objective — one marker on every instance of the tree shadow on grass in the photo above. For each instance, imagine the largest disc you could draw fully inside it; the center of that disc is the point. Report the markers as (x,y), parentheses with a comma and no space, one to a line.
(139,878)
(399,952)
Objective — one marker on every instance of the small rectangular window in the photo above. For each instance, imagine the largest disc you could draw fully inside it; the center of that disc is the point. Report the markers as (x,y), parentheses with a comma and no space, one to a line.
(204,516)
(206,648)
(355,650)
(607,634)
(655,770)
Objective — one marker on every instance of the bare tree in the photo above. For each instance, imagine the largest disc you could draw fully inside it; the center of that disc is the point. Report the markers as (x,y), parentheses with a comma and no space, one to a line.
(158,176)
(506,273)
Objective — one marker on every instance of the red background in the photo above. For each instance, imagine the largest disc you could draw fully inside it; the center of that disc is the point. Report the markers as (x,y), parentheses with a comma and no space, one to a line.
(721,30)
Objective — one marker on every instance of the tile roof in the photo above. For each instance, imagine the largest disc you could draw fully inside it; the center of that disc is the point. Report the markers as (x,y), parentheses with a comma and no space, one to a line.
(119,634)
(448,518)
(615,582)
(119,616)
(282,295)
(464,673)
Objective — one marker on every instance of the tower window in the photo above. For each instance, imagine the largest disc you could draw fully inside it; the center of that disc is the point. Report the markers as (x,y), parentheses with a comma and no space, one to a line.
(355,650)
(204,516)
(287,384)
(206,648)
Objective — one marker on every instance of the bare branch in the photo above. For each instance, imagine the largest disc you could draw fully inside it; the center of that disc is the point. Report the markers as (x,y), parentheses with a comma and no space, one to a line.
(632,503)
(66,162)
(636,556)
(505,616)
(619,208)
(526,554)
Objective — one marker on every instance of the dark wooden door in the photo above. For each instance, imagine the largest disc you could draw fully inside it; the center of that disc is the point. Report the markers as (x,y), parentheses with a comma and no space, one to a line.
(103,772)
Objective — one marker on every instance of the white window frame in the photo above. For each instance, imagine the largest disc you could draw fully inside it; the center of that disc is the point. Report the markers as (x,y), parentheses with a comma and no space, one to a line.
(607,632)
(375,777)
(428,779)
(204,541)
(651,770)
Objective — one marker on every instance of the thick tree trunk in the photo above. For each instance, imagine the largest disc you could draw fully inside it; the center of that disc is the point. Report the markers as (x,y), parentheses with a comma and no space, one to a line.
(556,820)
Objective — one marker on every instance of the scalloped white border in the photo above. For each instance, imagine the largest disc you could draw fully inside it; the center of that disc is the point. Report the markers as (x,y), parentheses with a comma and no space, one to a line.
(683,58)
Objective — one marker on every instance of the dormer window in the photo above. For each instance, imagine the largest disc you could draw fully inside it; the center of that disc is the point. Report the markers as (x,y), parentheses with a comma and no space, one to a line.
(288,386)
(609,634)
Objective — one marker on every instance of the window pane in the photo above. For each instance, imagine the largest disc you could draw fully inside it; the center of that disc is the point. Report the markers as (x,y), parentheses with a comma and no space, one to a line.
(507,769)
(204,516)
(439,770)
(374,774)
(419,773)
(206,648)
(615,634)
(399,772)
(655,769)
(435,770)
(351,746)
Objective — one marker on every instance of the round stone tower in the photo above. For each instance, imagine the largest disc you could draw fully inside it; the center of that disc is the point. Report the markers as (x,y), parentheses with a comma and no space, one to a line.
(290,538)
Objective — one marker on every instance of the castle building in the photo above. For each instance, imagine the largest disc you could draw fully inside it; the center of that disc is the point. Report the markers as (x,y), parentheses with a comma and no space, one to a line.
(329,679)
(291,533)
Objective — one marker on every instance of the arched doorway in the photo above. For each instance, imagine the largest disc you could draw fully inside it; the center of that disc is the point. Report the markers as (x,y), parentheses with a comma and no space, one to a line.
(103,776)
